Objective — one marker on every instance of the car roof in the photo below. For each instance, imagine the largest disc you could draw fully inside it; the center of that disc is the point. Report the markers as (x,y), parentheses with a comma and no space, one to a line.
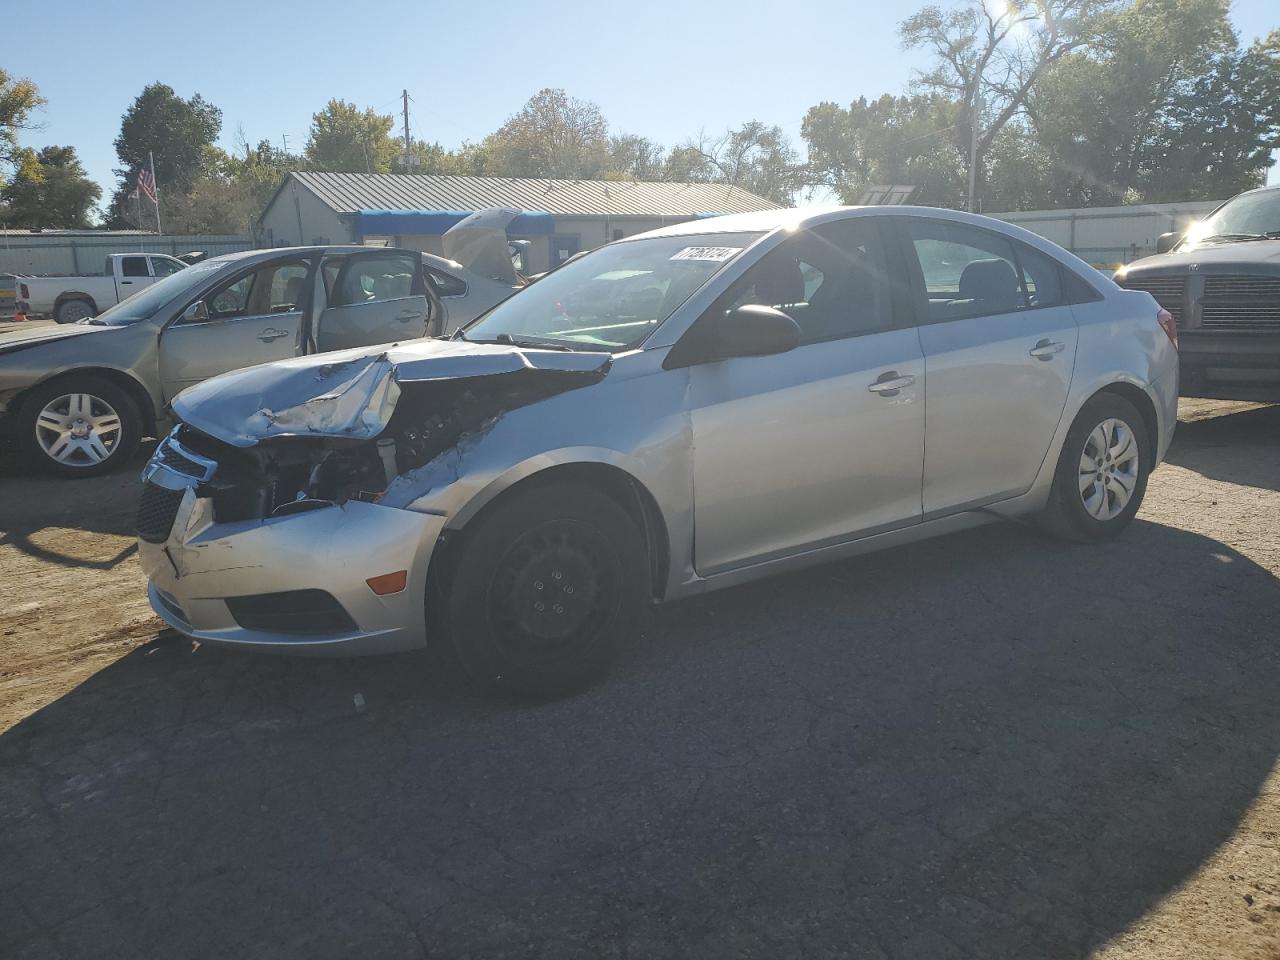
(796,218)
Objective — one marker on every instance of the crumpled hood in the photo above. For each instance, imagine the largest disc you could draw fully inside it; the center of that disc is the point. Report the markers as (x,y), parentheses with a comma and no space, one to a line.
(352,393)
(12,341)
(1245,254)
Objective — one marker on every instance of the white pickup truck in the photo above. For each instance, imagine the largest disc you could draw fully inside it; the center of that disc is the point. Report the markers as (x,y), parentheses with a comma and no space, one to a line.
(68,299)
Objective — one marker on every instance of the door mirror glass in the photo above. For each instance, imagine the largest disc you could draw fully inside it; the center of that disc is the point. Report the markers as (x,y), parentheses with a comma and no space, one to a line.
(751,330)
(198,312)
(1167,241)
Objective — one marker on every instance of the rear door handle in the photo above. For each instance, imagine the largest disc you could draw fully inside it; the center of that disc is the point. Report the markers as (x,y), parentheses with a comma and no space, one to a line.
(1045,349)
(271,333)
(888,384)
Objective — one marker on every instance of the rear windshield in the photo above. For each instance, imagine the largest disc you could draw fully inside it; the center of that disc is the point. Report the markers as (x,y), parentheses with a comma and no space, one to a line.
(612,298)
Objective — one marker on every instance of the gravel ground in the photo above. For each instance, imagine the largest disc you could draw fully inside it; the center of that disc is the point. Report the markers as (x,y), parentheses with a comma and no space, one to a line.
(989,745)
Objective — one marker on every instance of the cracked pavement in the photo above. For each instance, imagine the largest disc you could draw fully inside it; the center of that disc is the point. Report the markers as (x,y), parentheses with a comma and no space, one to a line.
(990,745)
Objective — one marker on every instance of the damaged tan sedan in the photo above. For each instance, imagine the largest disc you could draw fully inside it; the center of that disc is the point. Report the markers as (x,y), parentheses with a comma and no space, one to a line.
(688,409)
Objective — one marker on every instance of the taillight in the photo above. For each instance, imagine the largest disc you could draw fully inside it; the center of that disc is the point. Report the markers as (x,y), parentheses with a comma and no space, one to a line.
(1168,325)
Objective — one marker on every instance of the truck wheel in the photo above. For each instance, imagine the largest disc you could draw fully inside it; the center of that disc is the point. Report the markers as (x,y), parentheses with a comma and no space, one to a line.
(546,591)
(1102,471)
(79,426)
(70,311)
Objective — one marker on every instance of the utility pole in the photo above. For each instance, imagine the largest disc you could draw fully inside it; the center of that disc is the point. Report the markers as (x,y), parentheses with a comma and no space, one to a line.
(974,119)
(409,161)
(284,139)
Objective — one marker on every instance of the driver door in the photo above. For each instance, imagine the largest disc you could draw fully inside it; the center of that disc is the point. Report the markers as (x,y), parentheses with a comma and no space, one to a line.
(374,297)
(254,317)
(824,443)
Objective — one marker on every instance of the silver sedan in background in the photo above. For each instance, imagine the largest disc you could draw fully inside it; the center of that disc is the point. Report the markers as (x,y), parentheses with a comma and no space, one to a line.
(688,409)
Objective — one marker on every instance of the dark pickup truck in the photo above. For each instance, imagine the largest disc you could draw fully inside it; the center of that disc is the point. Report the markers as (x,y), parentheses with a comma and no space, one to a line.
(1221,282)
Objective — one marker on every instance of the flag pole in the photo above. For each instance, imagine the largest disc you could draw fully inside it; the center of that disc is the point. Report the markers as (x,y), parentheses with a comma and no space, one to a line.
(155,187)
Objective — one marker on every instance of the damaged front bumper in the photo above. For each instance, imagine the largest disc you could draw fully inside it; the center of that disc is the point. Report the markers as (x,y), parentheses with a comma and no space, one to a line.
(290,584)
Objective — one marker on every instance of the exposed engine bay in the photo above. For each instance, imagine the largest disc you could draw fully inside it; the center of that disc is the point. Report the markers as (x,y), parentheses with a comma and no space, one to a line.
(282,475)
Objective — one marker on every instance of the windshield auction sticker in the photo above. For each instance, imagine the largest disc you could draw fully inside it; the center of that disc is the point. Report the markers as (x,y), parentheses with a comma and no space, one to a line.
(713,254)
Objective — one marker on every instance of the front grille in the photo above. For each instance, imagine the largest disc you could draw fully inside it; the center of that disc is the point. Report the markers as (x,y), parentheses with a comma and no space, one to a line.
(1241,302)
(184,465)
(1168,291)
(292,611)
(156,512)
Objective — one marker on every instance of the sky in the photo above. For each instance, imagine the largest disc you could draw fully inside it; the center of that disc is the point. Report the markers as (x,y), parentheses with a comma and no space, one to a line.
(664,69)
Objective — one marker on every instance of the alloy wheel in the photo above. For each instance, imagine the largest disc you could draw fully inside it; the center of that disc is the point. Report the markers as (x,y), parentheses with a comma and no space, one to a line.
(78,429)
(1109,466)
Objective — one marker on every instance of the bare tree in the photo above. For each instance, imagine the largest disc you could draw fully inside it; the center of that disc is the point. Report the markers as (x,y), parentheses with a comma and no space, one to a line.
(990,53)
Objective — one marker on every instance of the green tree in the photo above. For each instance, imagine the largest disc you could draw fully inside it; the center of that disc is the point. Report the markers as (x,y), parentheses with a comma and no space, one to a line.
(553,135)
(754,156)
(19,98)
(50,190)
(175,131)
(916,140)
(346,139)
(632,157)
(989,57)
(432,158)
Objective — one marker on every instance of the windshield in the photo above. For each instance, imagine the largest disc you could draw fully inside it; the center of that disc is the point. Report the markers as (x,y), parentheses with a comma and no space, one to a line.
(1250,216)
(614,297)
(147,301)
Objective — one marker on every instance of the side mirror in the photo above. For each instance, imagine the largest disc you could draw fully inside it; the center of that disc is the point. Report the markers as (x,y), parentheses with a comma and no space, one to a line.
(1167,241)
(198,312)
(752,330)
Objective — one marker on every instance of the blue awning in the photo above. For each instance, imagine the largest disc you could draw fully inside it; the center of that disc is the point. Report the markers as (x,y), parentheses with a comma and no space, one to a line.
(402,223)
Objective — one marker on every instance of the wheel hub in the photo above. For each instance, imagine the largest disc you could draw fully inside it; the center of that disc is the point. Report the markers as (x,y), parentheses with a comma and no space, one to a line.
(554,592)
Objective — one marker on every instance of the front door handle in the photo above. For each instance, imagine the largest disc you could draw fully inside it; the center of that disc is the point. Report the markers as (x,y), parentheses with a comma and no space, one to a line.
(404,316)
(888,384)
(271,333)
(1046,348)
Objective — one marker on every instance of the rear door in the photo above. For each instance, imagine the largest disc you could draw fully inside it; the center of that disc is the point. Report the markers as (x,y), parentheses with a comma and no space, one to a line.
(373,297)
(999,344)
(254,316)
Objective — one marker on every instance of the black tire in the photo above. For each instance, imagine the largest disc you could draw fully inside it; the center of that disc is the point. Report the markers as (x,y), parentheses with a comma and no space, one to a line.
(1066,514)
(69,311)
(569,548)
(80,464)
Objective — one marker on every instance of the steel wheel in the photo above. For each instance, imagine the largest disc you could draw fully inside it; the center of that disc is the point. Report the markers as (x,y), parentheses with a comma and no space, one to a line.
(73,310)
(551,591)
(78,429)
(1109,469)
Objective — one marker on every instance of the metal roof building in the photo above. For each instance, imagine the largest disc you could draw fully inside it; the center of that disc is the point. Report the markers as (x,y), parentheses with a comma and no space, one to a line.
(561,217)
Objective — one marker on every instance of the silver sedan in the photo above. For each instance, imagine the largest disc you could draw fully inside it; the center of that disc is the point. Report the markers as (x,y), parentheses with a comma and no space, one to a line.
(692,408)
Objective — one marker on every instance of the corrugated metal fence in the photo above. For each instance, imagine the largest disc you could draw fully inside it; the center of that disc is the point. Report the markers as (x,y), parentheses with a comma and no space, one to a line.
(80,254)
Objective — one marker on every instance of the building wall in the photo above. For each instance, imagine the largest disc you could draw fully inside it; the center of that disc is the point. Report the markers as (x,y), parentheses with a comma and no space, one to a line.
(297,218)
(83,254)
(1111,236)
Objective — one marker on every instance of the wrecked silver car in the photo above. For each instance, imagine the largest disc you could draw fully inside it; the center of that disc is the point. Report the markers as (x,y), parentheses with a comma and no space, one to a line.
(691,408)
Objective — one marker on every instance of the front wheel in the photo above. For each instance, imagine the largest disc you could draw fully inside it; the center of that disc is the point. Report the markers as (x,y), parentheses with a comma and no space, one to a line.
(1102,471)
(79,426)
(546,591)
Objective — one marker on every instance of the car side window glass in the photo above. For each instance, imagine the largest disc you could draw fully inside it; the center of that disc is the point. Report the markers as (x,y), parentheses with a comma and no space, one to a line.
(447,285)
(163,268)
(276,288)
(369,279)
(831,280)
(967,272)
(134,267)
(1041,277)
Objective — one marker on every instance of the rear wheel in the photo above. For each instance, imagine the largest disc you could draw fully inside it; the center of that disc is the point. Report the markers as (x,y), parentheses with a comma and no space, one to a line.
(79,426)
(546,591)
(72,310)
(1102,471)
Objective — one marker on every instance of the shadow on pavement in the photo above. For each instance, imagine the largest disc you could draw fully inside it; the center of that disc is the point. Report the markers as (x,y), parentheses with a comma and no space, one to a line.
(35,509)
(1198,446)
(992,745)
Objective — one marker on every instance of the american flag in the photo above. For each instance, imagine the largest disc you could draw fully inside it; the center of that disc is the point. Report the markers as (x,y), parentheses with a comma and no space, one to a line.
(147,184)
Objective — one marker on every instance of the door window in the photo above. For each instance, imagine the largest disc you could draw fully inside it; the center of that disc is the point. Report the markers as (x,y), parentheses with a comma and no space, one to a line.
(163,267)
(275,288)
(373,278)
(967,272)
(447,285)
(134,267)
(830,279)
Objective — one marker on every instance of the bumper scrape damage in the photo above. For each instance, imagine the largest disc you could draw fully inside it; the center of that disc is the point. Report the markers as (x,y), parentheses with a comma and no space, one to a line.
(266,513)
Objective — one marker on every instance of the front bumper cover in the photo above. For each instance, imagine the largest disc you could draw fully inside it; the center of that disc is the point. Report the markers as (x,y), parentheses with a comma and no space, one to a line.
(333,548)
